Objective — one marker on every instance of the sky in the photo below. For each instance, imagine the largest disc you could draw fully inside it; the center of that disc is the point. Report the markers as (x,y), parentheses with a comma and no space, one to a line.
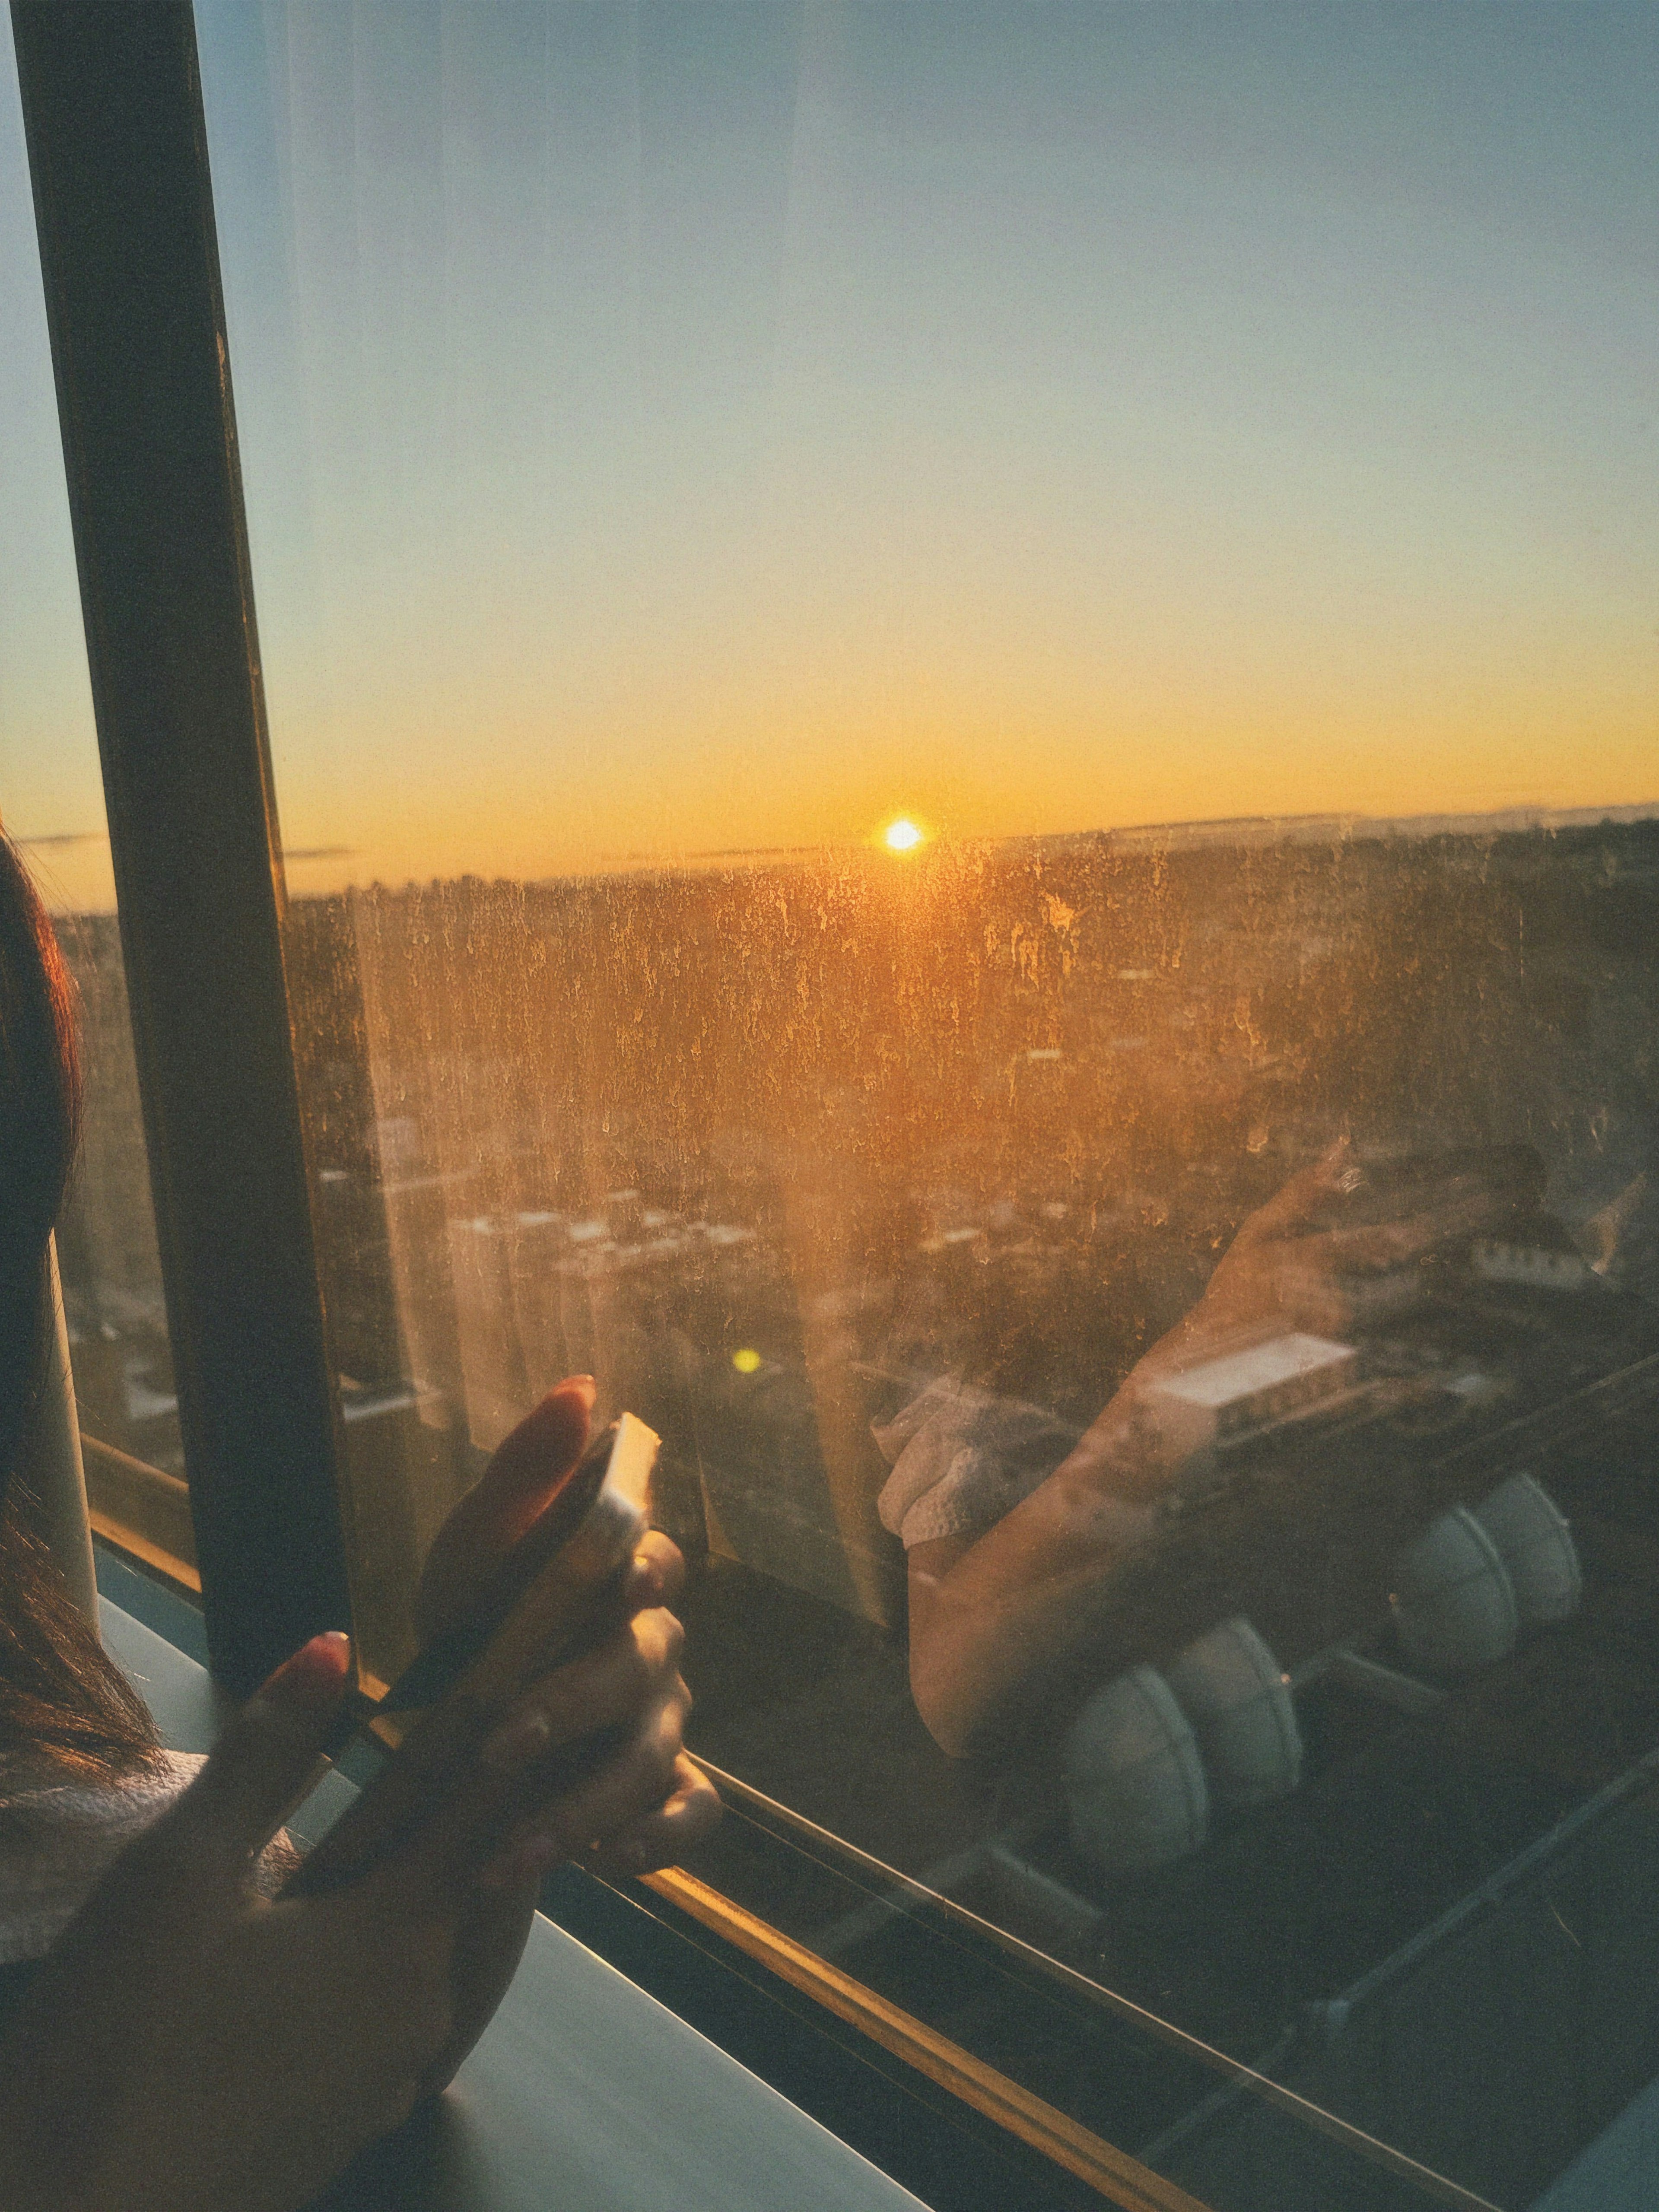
(673,428)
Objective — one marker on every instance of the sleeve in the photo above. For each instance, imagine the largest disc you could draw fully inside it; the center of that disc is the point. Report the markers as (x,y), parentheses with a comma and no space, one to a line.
(962,1459)
(58,1838)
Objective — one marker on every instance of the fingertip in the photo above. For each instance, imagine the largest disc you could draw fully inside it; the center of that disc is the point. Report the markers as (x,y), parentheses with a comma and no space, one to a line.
(316,1674)
(654,1578)
(549,1440)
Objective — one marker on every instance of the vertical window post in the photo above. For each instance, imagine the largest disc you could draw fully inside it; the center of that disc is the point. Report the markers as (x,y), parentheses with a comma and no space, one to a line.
(118,154)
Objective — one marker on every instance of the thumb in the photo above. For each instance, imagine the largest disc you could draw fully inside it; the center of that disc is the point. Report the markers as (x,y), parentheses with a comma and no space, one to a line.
(264,1759)
(517,1486)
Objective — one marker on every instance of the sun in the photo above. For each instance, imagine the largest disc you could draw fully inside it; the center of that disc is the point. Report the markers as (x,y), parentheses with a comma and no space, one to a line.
(901,836)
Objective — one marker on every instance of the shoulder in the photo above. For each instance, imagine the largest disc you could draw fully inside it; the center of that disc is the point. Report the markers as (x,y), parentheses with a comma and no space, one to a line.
(59,1830)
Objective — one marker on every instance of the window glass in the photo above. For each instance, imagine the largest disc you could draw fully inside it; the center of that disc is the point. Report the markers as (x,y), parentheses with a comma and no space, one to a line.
(963,703)
(52,803)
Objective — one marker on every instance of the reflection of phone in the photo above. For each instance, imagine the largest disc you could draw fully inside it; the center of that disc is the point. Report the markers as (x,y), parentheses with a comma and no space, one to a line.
(557,1591)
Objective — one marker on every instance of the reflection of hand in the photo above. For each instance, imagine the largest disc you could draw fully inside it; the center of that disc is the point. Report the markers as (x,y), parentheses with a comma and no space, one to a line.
(189,2045)
(646,1802)
(1003,1624)
(1295,1265)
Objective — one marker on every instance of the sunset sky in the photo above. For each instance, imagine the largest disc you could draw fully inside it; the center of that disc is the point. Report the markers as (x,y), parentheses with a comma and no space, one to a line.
(675,427)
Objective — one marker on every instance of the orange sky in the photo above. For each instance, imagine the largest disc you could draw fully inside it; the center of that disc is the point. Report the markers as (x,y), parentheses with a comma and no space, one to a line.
(667,441)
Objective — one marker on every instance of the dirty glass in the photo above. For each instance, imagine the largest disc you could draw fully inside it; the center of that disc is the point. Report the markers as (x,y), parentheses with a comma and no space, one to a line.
(51,806)
(963,705)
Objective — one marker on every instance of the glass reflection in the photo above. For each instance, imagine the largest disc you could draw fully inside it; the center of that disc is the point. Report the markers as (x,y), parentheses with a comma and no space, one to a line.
(1151,1328)
(1202,1268)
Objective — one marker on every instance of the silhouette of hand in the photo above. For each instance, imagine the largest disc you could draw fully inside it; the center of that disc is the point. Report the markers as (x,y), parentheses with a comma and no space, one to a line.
(188,2044)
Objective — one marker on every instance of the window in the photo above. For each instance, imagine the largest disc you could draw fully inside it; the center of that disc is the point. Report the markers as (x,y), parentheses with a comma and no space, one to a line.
(961,702)
(51,803)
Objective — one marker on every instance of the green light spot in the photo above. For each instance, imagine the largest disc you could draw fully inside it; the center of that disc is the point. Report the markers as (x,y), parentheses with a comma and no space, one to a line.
(745,1361)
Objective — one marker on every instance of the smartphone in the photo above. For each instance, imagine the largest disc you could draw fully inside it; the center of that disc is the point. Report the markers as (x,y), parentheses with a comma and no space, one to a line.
(558,1591)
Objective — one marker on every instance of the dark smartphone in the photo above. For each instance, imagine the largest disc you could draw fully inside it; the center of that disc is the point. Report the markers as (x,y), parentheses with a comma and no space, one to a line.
(559,1591)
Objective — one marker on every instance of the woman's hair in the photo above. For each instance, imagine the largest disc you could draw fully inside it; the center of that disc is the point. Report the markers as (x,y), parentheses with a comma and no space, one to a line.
(60,1695)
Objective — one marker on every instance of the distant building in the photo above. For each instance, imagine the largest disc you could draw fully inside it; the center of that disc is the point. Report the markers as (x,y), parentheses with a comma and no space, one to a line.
(1220,1398)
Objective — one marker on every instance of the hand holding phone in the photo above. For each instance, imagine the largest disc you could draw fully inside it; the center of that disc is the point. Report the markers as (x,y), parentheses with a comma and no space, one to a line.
(557,1591)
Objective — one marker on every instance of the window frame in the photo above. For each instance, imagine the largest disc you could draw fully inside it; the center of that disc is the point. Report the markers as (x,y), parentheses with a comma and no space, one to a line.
(117,160)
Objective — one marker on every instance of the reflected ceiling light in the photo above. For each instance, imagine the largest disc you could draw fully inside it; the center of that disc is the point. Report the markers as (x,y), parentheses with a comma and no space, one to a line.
(901,836)
(1134,1782)
(1237,1698)
(1535,1544)
(1454,1606)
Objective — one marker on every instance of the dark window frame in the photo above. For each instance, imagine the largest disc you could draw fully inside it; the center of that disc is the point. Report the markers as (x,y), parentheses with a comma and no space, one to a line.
(118,158)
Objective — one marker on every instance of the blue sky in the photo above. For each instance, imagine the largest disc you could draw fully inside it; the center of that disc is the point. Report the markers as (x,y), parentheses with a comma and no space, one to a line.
(675,427)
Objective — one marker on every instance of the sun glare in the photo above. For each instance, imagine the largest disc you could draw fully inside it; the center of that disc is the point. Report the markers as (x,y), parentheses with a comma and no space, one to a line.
(901,837)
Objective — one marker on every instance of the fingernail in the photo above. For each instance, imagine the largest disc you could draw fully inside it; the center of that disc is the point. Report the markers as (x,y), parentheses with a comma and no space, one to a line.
(315,1674)
(517,1744)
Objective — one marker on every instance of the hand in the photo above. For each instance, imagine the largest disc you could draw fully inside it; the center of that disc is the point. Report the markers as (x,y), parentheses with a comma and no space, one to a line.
(1295,1265)
(999,1622)
(588,1762)
(188,2045)
(645,1803)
